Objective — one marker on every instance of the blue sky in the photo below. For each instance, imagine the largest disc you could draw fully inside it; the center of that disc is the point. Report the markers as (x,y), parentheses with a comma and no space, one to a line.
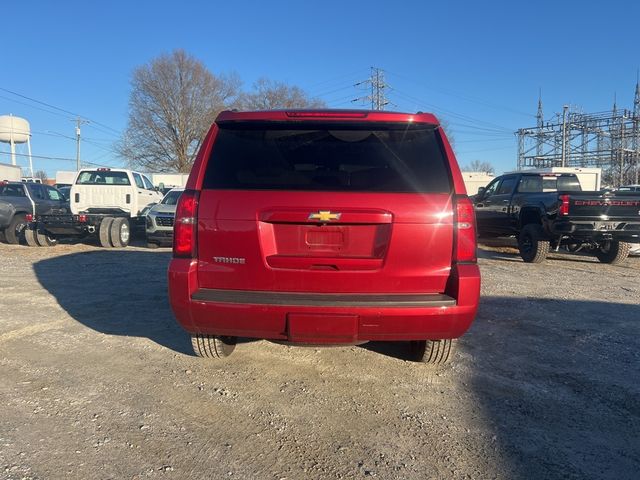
(479,65)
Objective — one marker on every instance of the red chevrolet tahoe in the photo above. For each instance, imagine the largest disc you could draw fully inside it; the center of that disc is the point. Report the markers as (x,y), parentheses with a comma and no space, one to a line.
(325,227)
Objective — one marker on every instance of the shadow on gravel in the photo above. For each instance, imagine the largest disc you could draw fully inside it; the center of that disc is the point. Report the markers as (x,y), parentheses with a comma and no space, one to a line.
(557,382)
(509,254)
(502,256)
(117,292)
(399,350)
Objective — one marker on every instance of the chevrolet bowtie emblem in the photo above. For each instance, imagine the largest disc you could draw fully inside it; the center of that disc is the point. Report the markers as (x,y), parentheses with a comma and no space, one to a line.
(324,216)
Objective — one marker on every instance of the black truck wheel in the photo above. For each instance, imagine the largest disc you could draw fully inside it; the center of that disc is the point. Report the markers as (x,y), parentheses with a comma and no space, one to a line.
(120,232)
(533,247)
(30,237)
(433,352)
(210,346)
(104,232)
(613,252)
(15,230)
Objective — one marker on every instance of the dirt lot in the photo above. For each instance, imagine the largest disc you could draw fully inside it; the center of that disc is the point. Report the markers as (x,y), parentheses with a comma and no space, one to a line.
(98,382)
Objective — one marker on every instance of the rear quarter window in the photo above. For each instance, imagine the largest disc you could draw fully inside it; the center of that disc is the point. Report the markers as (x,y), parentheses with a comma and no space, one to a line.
(12,191)
(322,157)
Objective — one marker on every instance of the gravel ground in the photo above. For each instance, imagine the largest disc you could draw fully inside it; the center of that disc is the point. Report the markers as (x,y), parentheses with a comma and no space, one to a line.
(97,382)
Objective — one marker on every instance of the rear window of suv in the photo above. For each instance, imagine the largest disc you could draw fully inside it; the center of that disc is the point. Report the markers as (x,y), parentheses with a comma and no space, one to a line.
(321,157)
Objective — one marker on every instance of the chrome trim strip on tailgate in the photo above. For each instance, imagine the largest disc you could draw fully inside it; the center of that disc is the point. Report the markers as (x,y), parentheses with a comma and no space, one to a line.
(323,299)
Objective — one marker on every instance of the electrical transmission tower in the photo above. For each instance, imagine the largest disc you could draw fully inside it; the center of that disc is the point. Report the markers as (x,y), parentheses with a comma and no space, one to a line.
(609,140)
(377,96)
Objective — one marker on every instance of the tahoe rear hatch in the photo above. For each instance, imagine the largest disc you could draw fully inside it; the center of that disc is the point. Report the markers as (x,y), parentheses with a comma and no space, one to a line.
(326,207)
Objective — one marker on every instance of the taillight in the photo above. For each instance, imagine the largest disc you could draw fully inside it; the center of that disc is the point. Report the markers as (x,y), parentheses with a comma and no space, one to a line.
(564,205)
(464,231)
(185,225)
(29,217)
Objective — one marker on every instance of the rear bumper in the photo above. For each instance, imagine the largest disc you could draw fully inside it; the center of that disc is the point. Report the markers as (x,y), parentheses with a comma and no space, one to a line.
(61,225)
(324,318)
(598,230)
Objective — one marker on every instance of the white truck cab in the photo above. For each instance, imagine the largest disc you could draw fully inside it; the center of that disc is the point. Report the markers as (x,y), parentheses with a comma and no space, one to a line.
(108,190)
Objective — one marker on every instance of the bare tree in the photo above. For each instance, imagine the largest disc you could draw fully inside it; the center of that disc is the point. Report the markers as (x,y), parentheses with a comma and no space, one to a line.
(41,174)
(174,99)
(479,166)
(446,126)
(269,94)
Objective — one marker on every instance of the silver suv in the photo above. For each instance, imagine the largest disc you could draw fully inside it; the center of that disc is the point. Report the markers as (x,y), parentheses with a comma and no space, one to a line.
(160,220)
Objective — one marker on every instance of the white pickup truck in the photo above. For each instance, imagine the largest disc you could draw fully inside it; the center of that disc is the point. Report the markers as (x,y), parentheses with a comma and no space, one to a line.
(104,202)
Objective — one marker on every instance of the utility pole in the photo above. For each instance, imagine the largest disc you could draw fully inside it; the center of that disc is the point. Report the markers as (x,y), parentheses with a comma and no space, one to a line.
(540,126)
(636,129)
(520,134)
(377,97)
(564,135)
(79,122)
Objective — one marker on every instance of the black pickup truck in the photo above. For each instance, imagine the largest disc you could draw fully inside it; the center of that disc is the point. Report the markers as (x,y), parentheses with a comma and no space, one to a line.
(550,211)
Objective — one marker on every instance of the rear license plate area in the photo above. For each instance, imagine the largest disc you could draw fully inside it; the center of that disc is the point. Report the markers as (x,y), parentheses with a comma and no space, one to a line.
(322,328)
(606,226)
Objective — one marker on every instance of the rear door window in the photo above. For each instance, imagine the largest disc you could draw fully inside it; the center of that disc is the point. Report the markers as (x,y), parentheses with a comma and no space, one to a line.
(569,184)
(530,184)
(53,194)
(322,157)
(35,189)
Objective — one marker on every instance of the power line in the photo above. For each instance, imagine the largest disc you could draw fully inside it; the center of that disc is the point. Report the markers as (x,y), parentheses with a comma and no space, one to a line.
(465,97)
(473,121)
(338,78)
(32,106)
(467,152)
(72,114)
(44,157)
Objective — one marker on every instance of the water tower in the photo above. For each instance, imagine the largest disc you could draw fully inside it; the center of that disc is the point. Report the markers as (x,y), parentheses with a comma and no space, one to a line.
(15,131)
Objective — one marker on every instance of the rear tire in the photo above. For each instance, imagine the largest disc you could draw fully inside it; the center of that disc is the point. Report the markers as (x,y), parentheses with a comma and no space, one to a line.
(613,252)
(104,232)
(432,352)
(30,237)
(120,232)
(532,245)
(14,231)
(210,346)
(44,240)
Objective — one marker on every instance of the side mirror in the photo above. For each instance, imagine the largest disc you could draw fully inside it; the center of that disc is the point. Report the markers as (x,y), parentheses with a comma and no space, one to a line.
(481,191)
